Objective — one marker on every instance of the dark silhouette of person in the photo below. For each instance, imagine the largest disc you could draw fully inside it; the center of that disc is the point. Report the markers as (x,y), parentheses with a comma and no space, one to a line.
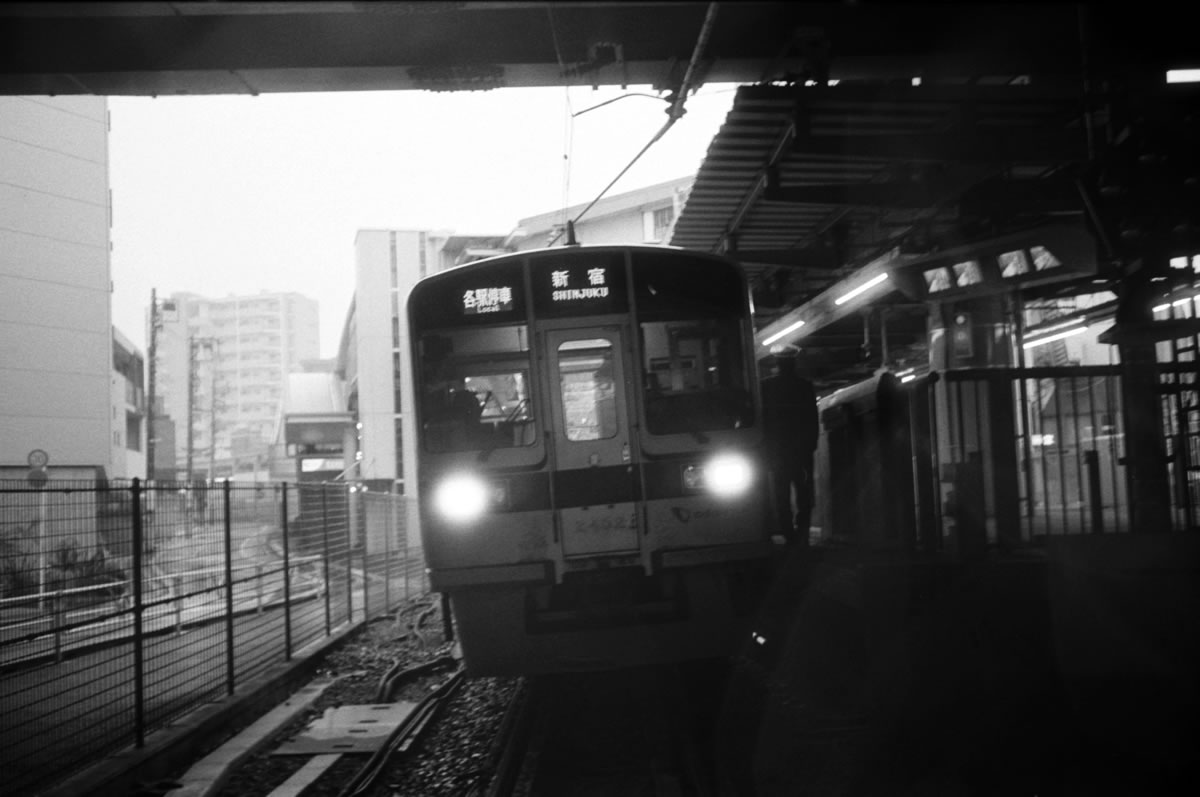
(790,423)
(452,411)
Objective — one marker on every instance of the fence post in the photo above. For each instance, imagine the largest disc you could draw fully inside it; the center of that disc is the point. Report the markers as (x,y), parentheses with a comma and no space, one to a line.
(325,556)
(366,564)
(1091,464)
(177,590)
(229,676)
(58,623)
(287,577)
(139,662)
(349,553)
(387,557)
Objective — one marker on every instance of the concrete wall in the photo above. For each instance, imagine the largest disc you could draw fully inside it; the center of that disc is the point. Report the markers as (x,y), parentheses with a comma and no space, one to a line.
(55,319)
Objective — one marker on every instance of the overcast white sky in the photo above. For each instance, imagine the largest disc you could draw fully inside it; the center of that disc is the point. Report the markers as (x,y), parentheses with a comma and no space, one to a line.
(235,194)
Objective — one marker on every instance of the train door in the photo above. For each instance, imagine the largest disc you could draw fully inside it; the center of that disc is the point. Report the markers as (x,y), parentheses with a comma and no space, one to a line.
(594,484)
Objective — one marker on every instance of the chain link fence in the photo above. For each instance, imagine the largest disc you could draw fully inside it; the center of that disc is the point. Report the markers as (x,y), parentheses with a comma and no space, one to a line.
(125,606)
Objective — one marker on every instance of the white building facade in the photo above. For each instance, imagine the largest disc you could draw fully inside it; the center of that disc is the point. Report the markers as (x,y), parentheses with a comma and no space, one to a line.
(374,360)
(128,400)
(644,216)
(56,337)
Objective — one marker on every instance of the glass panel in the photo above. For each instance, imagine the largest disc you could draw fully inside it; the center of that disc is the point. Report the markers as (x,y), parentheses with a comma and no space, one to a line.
(1013,264)
(585,378)
(694,376)
(672,285)
(1043,258)
(476,390)
(938,279)
(967,273)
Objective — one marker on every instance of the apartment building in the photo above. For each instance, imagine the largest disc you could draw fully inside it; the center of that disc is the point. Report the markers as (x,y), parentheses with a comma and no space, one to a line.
(221,367)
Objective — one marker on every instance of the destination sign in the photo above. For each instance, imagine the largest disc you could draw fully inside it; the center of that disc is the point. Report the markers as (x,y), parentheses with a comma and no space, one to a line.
(595,285)
(575,285)
(469,295)
(476,301)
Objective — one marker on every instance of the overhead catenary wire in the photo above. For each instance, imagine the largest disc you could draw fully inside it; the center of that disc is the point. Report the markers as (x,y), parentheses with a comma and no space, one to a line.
(674,113)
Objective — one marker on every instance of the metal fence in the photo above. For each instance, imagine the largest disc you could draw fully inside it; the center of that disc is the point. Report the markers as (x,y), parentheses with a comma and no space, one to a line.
(1043,451)
(126,606)
(972,459)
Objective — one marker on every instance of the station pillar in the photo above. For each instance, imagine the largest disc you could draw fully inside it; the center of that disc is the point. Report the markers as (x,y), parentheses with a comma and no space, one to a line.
(1145,452)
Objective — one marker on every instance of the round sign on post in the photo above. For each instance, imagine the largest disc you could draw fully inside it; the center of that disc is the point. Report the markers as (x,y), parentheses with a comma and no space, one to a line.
(37,459)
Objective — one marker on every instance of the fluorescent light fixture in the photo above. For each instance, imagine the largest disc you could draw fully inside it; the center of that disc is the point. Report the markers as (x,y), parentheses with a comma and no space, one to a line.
(908,378)
(871,283)
(916,81)
(1066,333)
(1183,75)
(1176,303)
(790,329)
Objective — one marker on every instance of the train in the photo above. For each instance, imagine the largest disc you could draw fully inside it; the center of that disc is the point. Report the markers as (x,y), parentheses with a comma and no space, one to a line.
(591,486)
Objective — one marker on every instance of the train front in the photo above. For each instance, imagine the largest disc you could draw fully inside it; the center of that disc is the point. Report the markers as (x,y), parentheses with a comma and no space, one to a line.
(591,489)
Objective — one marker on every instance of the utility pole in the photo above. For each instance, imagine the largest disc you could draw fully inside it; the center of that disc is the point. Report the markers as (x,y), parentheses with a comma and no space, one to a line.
(212,411)
(191,399)
(150,387)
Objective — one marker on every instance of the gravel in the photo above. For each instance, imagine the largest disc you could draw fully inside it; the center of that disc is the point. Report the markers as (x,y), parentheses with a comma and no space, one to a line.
(456,753)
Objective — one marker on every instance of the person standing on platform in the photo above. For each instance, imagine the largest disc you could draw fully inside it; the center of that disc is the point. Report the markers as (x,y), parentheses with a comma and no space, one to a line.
(790,422)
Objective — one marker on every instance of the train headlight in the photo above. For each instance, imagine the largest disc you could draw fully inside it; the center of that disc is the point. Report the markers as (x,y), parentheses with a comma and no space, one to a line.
(461,498)
(728,475)
(725,475)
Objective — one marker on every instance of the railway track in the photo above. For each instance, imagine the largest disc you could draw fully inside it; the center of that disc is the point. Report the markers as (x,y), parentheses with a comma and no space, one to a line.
(645,731)
(398,742)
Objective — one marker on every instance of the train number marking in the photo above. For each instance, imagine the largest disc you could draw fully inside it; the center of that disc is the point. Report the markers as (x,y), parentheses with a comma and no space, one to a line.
(606,523)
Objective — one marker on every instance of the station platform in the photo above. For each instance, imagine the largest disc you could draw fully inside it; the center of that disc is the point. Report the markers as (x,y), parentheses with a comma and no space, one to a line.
(1072,668)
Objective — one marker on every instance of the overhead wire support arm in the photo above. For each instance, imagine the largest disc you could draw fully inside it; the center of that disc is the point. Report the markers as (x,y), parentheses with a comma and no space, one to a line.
(673,113)
(677,110)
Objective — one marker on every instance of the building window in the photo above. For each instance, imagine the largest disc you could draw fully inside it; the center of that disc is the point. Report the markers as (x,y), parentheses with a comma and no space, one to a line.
(396,381)
(657,223)
(399,447)
(392,257)
(133,432)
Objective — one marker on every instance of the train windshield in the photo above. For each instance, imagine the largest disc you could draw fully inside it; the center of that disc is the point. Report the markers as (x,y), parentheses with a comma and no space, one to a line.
(694,369)
(695,376)
(475,389)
